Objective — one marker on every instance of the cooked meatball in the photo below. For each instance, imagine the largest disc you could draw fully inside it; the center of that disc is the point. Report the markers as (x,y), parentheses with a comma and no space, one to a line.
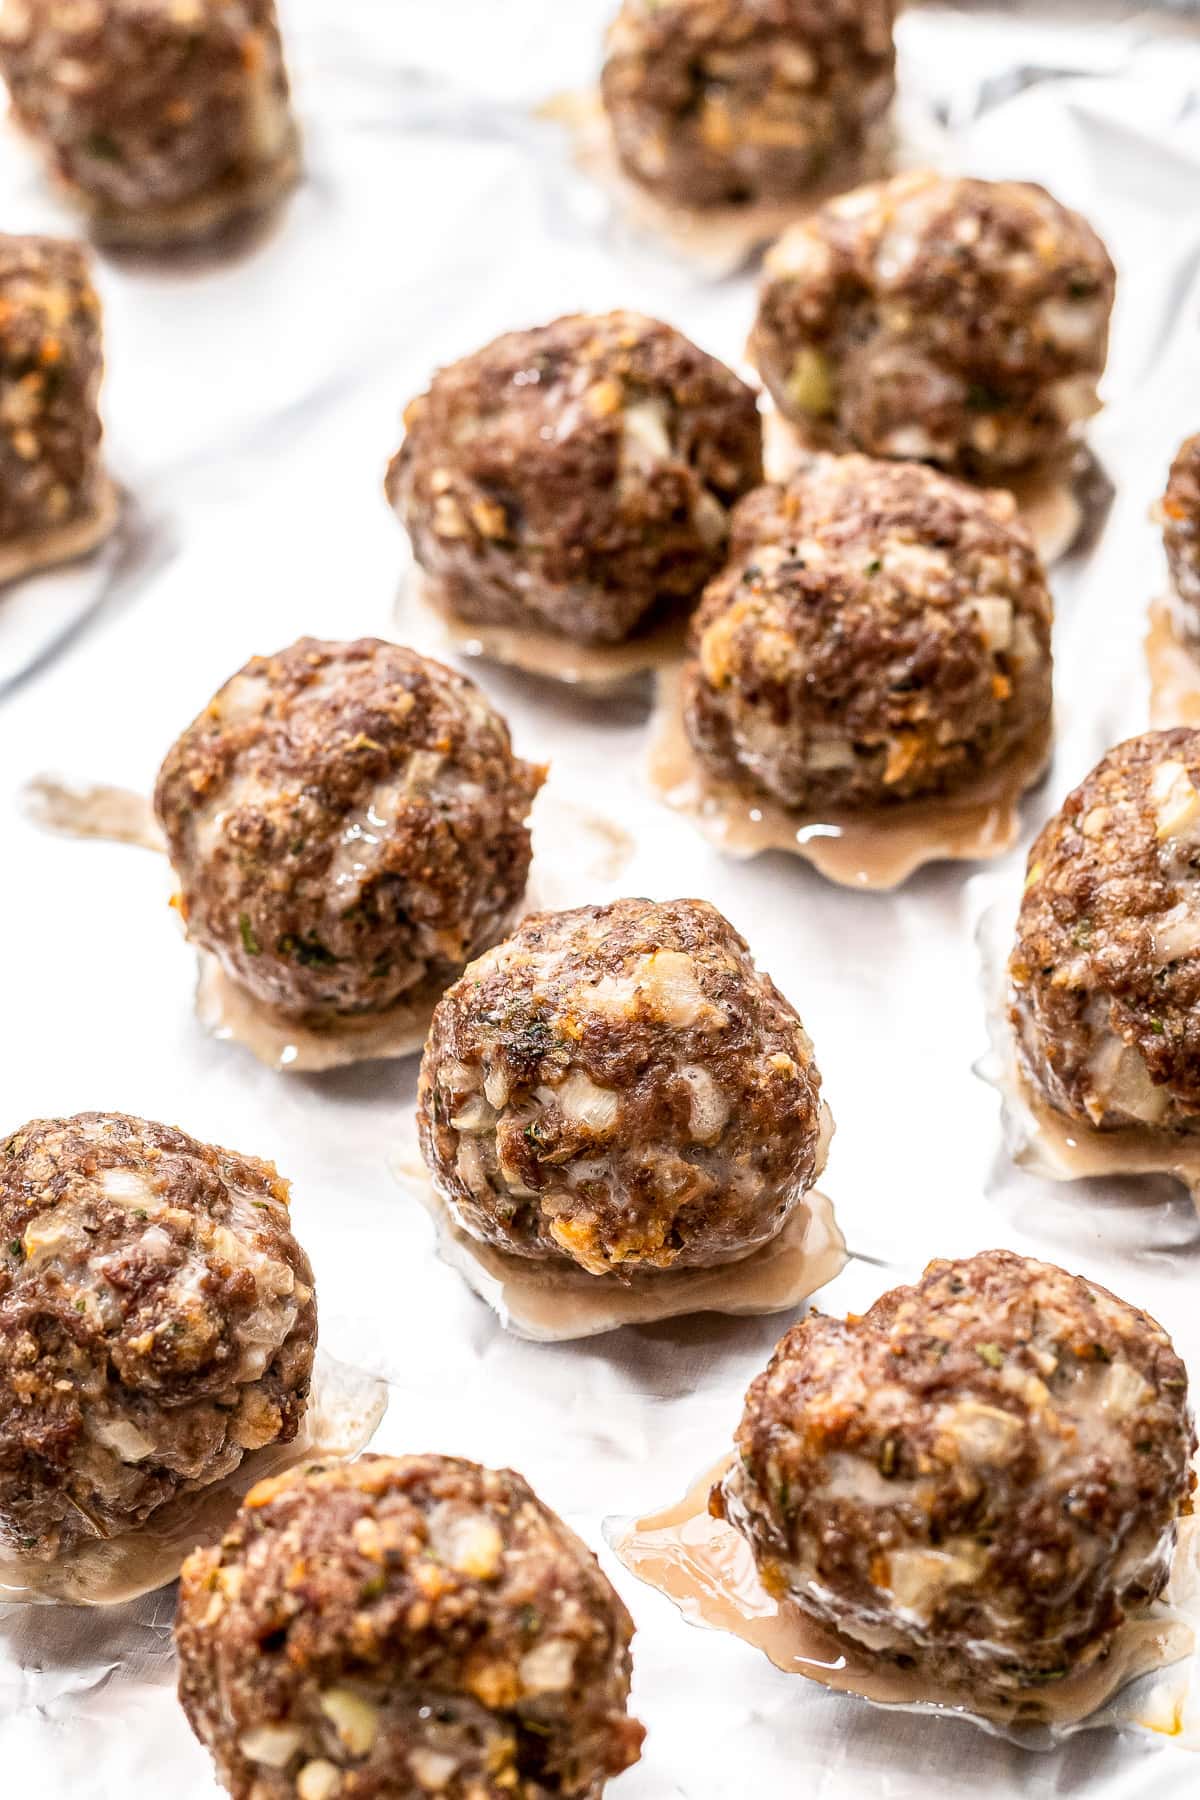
(981,1475)
(953,321)
(1105,997)
(50,366)
(572,476)
(720,101)
(405,1626)
(1180,511)
(881,632)
(347,824)
(144,107)
(618,1088)
(156,1322)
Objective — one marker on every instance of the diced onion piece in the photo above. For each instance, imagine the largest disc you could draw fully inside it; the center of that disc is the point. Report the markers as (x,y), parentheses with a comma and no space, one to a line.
(917,1579)
(584,1102)
(1177,933)
(476,1115)
(354,1719)
(319,1780)
(645,434)
(1176,801)
(434,1770)
(1071,324)
(1123,1392)
(548,1668)
(272,1745)
(995,622)
(709,1107)
(123,1437)
(497,1088)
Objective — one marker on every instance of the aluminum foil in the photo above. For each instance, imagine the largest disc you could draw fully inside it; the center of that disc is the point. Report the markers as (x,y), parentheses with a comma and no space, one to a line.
(251,406)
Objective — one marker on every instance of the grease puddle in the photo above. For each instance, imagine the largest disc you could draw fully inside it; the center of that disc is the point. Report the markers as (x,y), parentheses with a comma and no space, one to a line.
(706,1569)
(554,1305)
(1045,1142)
(344,1411)
(569,842)
(870,848)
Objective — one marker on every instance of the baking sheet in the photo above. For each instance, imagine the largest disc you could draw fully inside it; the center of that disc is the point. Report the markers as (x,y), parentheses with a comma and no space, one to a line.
(252,407)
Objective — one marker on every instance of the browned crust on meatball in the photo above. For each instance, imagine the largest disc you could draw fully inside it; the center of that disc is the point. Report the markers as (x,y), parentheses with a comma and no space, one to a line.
(955,321)
(348,825)
(881,633)
(144,107)
(50,370)
(718,102)
(1179,510)
(399,1626)
(157,1322)
(1105,1001)
(576,476)
(620,1088)
(982,1474)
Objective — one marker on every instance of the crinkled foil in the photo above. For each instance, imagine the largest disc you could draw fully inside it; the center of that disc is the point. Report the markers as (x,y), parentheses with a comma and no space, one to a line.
(252,405)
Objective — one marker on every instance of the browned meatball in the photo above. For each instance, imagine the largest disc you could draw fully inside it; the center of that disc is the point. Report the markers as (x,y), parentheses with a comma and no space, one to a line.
(157,1322)
(953,321)
(1105,1000)
(981,1475)
(50,367)
(881,632)
(145,108)
(399,1627)
(1180,512)
(619,1088)
(720,101)
(572,476)
(347,824)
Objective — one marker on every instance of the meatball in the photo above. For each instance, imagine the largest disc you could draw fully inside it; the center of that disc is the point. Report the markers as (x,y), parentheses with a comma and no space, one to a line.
(618,1088)
(348,826)
(952,321)
(51,477)
(403,1626)
(156,1322)
(1180,512)
(881,632)
(152,109)
(1105,973)
(722,101)
(572,476)
(981,1474)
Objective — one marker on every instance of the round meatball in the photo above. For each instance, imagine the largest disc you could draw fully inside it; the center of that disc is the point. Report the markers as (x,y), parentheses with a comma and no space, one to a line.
(1180,512)
(144,107)
(952,321)
(156,1322)
(50,368)
(347,824)
(881,632)
(982,1474)
(397,1627)
(618,1088)
(1105,973)
(722,101)
(572,476)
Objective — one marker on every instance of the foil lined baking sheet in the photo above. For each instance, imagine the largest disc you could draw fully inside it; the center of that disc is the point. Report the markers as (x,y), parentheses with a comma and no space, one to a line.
(251,406)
